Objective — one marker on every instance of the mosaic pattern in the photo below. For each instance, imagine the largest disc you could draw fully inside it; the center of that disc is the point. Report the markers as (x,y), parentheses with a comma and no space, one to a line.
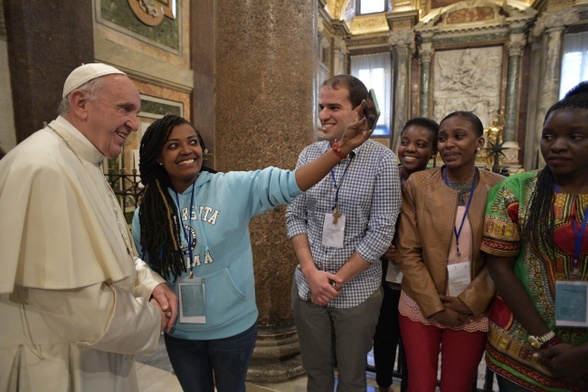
(120,16)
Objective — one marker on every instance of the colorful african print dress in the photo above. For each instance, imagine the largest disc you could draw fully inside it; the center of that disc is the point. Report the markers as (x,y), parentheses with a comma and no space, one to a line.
(508,352)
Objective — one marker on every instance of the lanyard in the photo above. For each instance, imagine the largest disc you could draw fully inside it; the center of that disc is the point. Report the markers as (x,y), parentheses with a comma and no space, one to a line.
(578,237)
(336,206)
(578,240)
(457,232)
(186,235)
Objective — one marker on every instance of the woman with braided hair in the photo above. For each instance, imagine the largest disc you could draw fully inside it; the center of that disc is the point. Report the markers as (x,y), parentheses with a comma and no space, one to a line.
(193,228)
(537,251)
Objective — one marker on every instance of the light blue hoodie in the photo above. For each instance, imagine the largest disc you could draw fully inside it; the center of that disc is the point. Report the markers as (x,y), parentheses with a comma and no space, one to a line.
(223,204)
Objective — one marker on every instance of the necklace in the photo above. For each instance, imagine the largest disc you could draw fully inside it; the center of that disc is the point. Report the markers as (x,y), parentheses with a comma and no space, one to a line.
(461,187)
(111,196)
(456,231)
(65,141)
(336,212)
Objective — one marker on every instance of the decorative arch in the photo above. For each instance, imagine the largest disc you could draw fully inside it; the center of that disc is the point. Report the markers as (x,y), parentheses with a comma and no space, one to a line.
(470,54)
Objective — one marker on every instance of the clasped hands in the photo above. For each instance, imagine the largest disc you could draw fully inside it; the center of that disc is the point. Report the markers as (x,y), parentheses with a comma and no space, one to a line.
(322,291)
(167,302)
(456,313)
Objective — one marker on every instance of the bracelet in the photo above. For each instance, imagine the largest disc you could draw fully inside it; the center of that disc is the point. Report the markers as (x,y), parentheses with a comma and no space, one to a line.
(539,341)
(337,150)
(551,342)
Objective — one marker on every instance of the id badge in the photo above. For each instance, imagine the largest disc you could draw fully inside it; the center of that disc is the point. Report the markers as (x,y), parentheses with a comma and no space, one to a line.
(393,273)
(333,230)
(459,278)
(571,303)
(192,302)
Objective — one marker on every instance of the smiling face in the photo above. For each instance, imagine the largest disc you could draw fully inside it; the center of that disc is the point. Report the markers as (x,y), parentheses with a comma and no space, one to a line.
(564,144)
(111,115)
(458,143)
(336,112)
(416,148)
(182,156)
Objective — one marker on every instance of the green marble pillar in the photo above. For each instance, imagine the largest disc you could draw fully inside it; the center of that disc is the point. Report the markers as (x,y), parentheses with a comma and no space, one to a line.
(401,42)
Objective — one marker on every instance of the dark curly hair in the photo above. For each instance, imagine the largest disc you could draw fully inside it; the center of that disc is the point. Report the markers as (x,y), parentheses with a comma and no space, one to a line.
(160,222)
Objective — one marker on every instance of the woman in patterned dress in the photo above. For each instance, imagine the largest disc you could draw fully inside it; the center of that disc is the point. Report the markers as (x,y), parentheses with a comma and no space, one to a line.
(537,250)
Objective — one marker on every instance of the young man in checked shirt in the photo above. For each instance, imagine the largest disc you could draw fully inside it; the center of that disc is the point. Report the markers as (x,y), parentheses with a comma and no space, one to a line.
(339,229)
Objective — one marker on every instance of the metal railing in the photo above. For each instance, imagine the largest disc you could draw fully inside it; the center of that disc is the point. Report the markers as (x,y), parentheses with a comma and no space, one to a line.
(127,188)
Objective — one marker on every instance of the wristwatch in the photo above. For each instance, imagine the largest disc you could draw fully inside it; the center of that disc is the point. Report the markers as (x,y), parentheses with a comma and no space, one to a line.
(334,285)
(539,341)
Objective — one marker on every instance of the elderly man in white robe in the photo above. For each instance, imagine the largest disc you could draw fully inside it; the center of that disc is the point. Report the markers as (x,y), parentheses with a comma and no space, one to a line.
(76,304)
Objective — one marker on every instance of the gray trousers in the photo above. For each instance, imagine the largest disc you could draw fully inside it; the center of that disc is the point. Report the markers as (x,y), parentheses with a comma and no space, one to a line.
(332,337)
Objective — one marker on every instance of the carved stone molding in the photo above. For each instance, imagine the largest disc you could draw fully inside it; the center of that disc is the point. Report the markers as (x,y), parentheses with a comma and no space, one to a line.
(485,19)
(555,20)
(402,38)
(516,44)
(151,12)
(340,45)
(425,55)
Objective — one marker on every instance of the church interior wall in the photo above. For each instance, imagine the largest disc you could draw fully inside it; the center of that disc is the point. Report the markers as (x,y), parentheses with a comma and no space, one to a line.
(7,130)
(156,57)
(160,59)
(453,28)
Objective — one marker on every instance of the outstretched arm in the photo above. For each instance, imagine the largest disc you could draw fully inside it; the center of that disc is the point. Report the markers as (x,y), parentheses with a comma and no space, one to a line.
(354,136)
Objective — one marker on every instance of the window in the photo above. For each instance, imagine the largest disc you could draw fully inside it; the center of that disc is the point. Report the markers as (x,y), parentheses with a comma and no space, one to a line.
(374,70)
(371,6)
(574,65)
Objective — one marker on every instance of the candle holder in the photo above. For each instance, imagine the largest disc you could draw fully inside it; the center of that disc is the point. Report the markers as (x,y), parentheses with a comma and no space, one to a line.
(495,151)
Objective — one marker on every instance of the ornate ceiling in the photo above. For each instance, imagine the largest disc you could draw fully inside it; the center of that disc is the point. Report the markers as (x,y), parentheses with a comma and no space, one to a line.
(403,13)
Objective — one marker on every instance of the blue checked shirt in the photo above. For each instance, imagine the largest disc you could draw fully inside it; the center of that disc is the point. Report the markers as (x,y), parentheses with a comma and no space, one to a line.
(369,197)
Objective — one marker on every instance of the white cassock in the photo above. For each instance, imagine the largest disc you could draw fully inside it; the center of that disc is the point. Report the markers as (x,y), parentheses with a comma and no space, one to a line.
(74,302)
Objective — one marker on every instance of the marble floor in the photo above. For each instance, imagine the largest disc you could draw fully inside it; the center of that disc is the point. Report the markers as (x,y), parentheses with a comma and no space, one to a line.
(155,374)
(153,379)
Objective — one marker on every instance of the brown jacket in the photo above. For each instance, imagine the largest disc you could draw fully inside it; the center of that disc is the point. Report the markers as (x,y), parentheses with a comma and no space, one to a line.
(427,218)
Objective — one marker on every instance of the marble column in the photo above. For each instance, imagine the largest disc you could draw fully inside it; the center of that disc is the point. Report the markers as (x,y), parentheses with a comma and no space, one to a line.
(258,89)
(531,144)
(46,41)
(515,47)
(425,57)
(549,28)
(402,45)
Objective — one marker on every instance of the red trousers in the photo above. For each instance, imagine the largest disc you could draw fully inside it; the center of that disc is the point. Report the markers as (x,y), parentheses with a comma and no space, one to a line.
(461,353)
